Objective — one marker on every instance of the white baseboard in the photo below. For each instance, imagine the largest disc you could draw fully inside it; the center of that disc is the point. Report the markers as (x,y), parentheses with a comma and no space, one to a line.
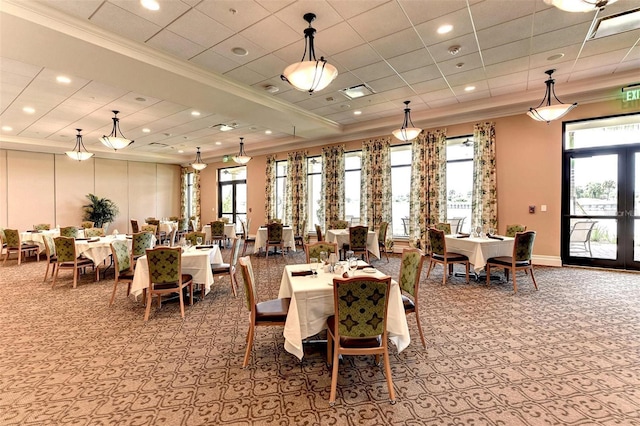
(546,260)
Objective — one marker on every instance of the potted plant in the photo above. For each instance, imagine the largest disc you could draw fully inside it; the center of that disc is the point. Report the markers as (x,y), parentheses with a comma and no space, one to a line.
(100,211)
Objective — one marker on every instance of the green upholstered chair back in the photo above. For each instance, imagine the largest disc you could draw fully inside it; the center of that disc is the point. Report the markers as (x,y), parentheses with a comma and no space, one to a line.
(361,306)
(523,245)
(275,221)
(443,226)
(164,265)
(93,232)
(410,269)
(149,228)
(314,249)
(217,229)
(249,286)
(69,231)
(382,232)
(65,249)
(437,242)
(152,221)
(42,227)
(319,233)
(121,257)
(3,237)
(49,245)
(173,218)
(235,250)
(134,226)
(340,224)
(513,229)
(87,224)
(358,237)
(193,237)
(274,232)
(183,224)
(12,237)
(140,242)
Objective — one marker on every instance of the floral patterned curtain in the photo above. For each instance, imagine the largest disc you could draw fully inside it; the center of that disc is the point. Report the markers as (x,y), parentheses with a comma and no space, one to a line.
(184,196)
(270,189)
(375,180)
(196,197)
(428,203)
(333,184)
(295,209)
(484,199)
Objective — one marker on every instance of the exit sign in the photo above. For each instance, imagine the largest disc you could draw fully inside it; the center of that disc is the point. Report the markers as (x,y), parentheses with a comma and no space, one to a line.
(630,95)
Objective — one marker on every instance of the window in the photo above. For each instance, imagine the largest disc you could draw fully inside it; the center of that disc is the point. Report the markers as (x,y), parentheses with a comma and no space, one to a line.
(232,194)
(352,167)
(281,187)
(189,192)
(460,179)
(400,187)
(315,203)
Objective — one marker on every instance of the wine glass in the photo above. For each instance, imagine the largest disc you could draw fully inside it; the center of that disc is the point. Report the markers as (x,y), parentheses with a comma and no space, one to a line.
(323,257)
(313,264)
(199,241)
(353,265)
(478,231)
(188,244)
(348,255)
(332,261)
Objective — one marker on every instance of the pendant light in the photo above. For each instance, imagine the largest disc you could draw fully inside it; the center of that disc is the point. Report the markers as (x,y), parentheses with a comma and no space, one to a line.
(406,133)
(311,75)
(114,141)
(547,112)
(198,164)
(579,5)
(79,152)
(241,158)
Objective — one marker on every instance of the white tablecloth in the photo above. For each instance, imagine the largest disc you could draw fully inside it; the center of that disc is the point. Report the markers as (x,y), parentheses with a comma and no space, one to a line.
(312,304)
(98,251)
(167,226)
(229,231)
(195,262)
(479,250)
(38,237)
(287,237)
(341,236)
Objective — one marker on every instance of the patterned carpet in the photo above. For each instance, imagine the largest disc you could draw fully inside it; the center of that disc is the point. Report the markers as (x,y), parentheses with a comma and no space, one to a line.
(568,354)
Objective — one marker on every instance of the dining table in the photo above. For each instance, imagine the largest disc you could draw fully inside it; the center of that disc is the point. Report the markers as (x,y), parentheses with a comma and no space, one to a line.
(229,231)
(196,261)
(287,237)
(98,249)
(479,249)
(37,237)
(341,236)
(312,303)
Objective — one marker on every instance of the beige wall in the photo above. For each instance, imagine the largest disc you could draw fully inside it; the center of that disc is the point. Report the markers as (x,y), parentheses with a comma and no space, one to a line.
(47,188)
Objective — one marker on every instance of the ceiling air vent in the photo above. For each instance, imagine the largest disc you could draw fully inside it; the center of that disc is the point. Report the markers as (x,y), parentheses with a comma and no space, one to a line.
(357,91)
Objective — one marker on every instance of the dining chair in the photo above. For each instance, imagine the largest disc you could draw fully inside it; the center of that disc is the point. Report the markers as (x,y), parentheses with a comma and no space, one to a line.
(3,241)
(340,224)
(513,229)
(69,231)
(183,227)
(166,277)
(456,224)
(409,281)
(439,254)
(319,233)
(193,237)
(42,227)
(194,224)
(519,260)
(359,324)
(274,238)
(50,250)
(93,232)
(160,235)
(268,313)
(301,234)
(140,242)
(355,221)
(68,259)
(219,269)
(15,244)
(580,237)
(246,238)
(358,241)
(122,266)
(314,249)
(87,224)
(150,228)
(217,232)
(134,226)
(382,238)
(173,218)
(444,226)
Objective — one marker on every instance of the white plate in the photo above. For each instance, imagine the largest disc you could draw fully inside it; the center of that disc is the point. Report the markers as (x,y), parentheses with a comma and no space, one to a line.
(370,270)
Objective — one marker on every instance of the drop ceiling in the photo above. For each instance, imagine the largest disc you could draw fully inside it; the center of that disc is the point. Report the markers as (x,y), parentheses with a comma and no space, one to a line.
(157,68)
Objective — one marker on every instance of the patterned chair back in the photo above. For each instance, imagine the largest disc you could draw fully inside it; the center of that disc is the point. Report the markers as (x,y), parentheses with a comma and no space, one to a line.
(437,243)
(149,228)
(235,250)
(121,255)
(87,224)
(173,218)
(444,226)
(42,227)
(193,237)
(140,242)
(249,287)
(164,265)
(340,224)
(382,232)
(245,234)
(65,249)
(358,237)
(93,232)
(319,233)
(49,245)
(183,224)
(274,232)
(217,229)
(134,226)
(69,231)
(513,229)
(12,238)
(523,246)
(314,249)
(3,238)
(361,306)
(410,270)
(276,220)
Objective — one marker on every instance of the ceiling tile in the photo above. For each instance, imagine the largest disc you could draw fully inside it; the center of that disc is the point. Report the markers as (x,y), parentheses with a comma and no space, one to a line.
(173,43)
(404,41)
(421,74)
(518,29)
(419,13)
(475,77)
(357,57)
(412,60)
(124,23)
(336,39)
(374,71)
(506,52)
(247,12)
(79,8)
(200,29)
(494,13)
(244,75)
(507,67)
(386,83)
(169,10)
(440,51)
(214,61)
(557,39)
(271,34)
(292,15)
(380,21)
(254,51)
(268,66)
(460,21)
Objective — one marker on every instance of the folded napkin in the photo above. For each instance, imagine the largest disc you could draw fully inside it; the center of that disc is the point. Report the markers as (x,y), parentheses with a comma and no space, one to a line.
(301,273)
(463,236)
(205,247)
(93,240)
(495,237)
(363,266)
(82,239)
(35,231)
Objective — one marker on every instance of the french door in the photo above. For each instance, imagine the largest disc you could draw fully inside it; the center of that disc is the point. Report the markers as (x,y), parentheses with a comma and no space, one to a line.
(232,194)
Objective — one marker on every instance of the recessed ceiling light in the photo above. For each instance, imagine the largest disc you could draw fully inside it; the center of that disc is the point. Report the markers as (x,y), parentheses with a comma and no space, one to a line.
(454,50)
(357,112)
(267,132)
(150,4)
(469,88)
(239,51)
(180,151)
(195,113)
(141,99)
(460,65)
(145,130)
(443,29)
(225,128)
(28,110)
(62,79)
(7,128)
(218,143)
(555,57)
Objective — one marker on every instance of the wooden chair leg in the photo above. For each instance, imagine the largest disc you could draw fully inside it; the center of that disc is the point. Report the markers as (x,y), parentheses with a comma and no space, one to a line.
(488,270)
(181,303)
(329,348)
(444,273)
(334,378)
(76,272)
(533,278)
(232,277)
(515,286)
(387,369)
(466,270)
(424,344)
(148,309)
(46,272)
(247,352)
(55,277)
